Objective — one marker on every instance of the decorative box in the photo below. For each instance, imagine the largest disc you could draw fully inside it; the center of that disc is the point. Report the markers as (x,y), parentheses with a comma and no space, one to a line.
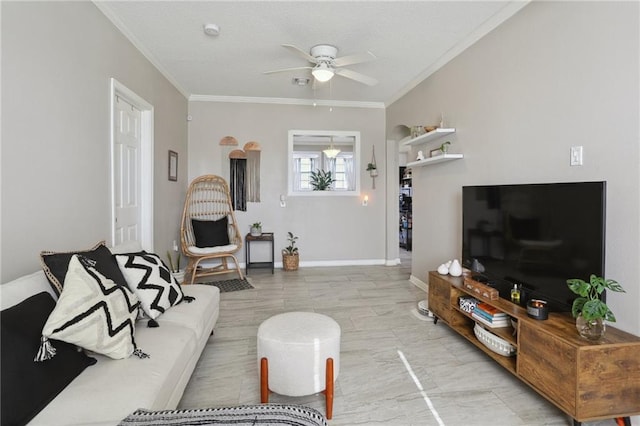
(467,303)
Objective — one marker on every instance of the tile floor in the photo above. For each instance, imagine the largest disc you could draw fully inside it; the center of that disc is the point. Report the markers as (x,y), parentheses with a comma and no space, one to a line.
(396,368)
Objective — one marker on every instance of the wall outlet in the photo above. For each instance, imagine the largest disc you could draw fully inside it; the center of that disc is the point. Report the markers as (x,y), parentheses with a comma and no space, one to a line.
(576,156)
(174,245)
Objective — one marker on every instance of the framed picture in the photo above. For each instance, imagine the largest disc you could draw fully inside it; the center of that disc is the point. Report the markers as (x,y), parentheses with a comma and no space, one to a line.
(173,165)
(435,152)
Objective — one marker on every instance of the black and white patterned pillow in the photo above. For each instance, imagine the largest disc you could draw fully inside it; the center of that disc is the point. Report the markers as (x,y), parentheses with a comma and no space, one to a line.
(149,277)
(92,312)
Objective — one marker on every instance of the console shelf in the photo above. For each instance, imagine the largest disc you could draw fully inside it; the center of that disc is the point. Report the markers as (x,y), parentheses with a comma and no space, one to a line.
(588,381)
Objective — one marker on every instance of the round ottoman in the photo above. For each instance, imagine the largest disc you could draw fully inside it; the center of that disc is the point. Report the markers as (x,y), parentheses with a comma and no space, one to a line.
(299,354)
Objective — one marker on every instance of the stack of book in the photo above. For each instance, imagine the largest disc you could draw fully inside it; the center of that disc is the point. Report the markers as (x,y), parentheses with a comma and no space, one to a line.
(490,316)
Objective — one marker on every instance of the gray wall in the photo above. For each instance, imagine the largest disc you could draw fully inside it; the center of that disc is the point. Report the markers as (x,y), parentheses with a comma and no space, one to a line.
(331,229)
(557,74)
(57,59)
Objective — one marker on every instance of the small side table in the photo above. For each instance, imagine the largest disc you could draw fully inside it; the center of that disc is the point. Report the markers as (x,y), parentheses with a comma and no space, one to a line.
(248,239)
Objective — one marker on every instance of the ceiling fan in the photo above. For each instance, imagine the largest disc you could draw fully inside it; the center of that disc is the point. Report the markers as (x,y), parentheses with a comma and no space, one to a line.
(327,64)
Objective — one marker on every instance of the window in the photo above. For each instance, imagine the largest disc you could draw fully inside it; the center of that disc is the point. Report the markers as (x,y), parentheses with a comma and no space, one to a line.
(306,155)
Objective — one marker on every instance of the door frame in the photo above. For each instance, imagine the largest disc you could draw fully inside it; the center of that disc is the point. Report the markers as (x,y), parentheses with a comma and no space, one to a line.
(146,161)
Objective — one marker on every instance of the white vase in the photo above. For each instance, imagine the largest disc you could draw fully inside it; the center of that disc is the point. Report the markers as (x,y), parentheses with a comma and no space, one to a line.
(179,275)
(443,270)
(256,232)
(455,270)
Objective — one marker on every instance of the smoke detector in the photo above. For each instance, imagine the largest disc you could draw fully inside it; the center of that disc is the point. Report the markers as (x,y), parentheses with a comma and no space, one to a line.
(211,30)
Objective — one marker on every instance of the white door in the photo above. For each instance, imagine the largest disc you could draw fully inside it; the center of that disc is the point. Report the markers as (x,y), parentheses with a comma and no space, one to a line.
(131,167)
(127,172)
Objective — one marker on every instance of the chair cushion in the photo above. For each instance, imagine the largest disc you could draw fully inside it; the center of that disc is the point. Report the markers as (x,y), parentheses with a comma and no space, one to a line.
(55,265)
(211,233)
(149,277)
(93,312)
(229,248)
(28,386)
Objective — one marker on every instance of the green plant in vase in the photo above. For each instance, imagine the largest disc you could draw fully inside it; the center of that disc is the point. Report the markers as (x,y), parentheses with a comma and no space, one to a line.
(175,267)
(256,229)
(321,180)
(588,309)
(290,256)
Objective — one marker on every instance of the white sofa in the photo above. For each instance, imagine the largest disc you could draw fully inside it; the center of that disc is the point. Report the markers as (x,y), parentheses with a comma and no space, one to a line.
(105,393)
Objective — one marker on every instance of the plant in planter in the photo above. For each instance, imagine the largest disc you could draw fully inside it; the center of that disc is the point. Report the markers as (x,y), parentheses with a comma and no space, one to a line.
(175,267)
(256,229)
(321,180)
(372,169)
(290,256)
(445,147)
(591,312)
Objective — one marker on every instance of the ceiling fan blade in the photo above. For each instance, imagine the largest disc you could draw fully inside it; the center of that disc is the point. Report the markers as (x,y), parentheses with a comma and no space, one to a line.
(360,78)
(354,59)
(287,69)
(300,52)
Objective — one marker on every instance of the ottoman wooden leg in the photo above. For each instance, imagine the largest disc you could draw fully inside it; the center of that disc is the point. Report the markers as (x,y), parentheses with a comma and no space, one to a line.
(329,389)
(264,380)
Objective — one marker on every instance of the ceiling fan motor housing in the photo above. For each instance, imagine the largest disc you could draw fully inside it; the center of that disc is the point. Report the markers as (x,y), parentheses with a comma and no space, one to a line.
(324,52)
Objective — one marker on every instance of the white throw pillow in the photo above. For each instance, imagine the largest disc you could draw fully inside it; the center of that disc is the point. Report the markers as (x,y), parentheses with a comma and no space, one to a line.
(93,313)
(149,277)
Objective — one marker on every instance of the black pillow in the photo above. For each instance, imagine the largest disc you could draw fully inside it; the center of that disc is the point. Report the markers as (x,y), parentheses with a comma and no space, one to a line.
(55,265)
(27,386)
(211,233)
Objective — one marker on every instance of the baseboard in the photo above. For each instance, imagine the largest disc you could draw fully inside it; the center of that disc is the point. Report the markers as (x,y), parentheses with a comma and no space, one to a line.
(393,262)
(418,283)
(353,262)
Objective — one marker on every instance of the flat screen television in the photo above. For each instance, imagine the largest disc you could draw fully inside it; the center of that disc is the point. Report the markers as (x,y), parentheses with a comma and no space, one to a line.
(534,235)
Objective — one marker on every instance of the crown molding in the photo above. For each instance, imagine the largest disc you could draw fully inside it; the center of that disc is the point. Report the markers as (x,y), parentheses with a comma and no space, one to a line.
(102,7)
(286,101)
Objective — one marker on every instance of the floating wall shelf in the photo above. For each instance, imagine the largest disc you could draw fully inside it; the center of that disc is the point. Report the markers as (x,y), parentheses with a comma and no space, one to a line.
(431,136)
(437,159)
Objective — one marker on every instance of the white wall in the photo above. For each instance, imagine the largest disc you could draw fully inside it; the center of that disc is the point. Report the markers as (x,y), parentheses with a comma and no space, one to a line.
(557,74)
(57,60)
(331,229)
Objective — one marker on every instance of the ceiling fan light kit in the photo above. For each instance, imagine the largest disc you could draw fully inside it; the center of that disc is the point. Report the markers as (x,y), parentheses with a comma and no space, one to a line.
(322,72)
(327,64)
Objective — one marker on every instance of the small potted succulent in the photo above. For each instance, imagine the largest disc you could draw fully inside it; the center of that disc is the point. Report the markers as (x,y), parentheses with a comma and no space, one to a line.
(290,256)
(256,229)
(588,309)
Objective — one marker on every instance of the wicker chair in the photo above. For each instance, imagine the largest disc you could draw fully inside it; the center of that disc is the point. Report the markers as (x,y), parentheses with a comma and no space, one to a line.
(208,199)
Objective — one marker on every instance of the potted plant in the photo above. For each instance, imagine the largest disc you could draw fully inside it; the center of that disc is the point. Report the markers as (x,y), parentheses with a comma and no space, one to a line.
(445,147)
(290,257)
(321,180)
(256,229)
(372,169)
(175,267)
(591,312)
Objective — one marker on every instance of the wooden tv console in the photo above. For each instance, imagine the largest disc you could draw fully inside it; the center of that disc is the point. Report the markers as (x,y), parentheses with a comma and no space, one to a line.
(588,381)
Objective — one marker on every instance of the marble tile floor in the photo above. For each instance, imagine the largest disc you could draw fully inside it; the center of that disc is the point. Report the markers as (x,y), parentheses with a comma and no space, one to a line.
(396,368)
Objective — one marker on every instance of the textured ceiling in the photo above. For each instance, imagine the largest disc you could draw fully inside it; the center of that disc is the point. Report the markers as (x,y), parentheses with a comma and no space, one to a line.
(410,39)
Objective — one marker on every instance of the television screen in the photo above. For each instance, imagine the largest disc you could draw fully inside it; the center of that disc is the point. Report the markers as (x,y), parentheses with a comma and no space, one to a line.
(534,235)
